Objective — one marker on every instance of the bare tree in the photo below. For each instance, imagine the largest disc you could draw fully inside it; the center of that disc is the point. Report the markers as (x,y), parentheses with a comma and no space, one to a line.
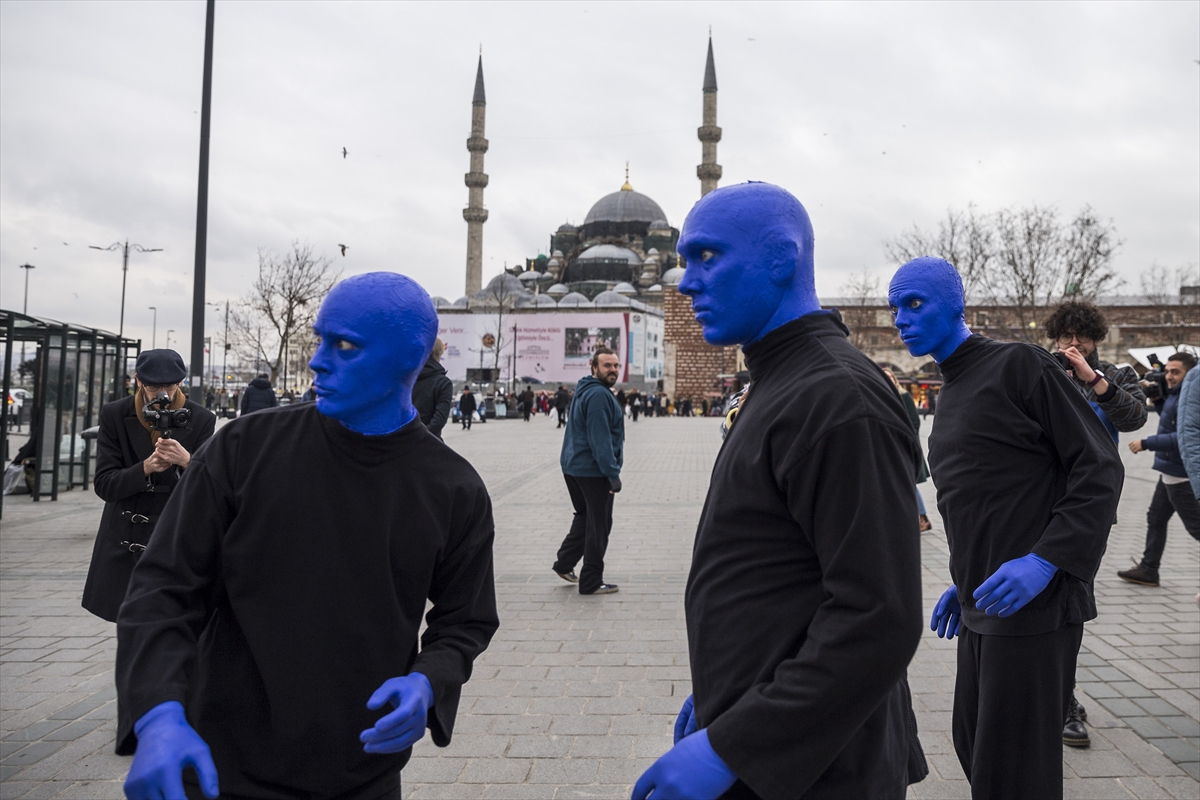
(282,303)
(963,238)
(861,292)
(501,296)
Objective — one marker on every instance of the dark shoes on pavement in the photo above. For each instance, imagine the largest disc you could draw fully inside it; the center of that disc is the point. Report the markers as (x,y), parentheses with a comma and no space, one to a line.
(1139,575)
(605,588)
(1075,733)
(569,577)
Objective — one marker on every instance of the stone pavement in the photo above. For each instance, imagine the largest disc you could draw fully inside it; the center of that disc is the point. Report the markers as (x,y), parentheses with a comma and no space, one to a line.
(576,696)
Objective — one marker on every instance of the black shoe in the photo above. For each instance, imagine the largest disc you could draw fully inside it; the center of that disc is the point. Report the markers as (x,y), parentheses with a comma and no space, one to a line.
(569,577)
(604,588)
(1139,575)
(1075,733)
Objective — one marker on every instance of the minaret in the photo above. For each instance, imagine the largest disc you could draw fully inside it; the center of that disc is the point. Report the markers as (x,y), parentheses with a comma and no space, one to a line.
(709,134)
(475,214)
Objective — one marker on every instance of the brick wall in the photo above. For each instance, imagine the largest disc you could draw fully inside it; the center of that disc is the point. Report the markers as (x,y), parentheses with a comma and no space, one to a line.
(696,365)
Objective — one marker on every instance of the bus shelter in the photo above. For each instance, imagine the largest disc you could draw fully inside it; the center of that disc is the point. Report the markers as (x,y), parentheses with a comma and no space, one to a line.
(75,371)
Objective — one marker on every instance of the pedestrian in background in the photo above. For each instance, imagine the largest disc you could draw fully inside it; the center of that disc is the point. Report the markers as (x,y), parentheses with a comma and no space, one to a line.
(466,407)
(910,406)
(591,460)
(561,401)
(259,395)
(433,393)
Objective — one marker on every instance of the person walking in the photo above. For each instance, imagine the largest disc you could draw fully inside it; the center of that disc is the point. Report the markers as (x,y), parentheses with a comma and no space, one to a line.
(433,393)
(526,402)
(910,406)
(466,407)
(635,406)
(561,400)
(591,459)
(1173,493)
(259,395)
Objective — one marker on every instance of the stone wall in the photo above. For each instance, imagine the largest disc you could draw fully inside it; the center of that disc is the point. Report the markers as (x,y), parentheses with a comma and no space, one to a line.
(693,367)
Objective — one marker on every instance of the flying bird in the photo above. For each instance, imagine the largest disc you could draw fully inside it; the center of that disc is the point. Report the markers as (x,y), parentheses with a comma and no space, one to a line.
(66,244)
(343,248)
(749,39)
(344,152)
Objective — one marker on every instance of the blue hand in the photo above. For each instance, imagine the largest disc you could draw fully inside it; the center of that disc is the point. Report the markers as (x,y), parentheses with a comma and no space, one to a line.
(685,723)
(412,696)
(167,745)
(1013,585)
(691,770)
(947,615)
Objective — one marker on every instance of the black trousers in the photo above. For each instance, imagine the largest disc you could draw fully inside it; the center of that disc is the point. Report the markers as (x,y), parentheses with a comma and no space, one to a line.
(1169,499)
(1010,700)
(588,537)
(562,417)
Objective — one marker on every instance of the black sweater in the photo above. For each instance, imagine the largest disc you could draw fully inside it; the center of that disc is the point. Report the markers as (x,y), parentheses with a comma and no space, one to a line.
(804,598)
(287,580)
(1022,465)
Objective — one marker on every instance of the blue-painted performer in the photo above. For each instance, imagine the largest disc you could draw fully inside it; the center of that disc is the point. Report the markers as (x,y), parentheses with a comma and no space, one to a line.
(1028,483)
(269,638)
(804,599)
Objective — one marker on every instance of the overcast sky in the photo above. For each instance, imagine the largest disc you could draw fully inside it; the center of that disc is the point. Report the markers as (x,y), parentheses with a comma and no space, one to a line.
(876,115)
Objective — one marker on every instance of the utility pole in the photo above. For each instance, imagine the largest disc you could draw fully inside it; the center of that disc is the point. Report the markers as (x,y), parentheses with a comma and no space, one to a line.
(124,247)
(25,311)
(197,359)
(169,332)
(154,329)
(225,342)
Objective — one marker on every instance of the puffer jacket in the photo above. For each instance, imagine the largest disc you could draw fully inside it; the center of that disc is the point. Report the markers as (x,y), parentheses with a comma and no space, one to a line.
(1165,444)
(258,395)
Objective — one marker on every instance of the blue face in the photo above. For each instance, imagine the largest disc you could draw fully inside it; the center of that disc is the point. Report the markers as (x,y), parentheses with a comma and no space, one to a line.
(926,298)
(748,250)
(376,333)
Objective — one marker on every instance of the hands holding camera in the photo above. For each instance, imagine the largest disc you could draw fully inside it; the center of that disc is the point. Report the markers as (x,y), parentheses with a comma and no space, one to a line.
(167,453)
(1083,371)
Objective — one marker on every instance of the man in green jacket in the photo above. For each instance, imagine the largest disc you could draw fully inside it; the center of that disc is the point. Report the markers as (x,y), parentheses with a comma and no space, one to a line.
(591,463)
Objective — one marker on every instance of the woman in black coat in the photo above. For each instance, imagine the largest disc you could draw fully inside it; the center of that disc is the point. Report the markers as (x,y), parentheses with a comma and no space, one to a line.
(136,469)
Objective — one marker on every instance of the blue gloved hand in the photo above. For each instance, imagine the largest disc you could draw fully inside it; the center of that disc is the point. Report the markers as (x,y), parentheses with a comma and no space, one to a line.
(1013,585)
(412,696)
(685,723)
(947,614)
(166,746)
(691,770)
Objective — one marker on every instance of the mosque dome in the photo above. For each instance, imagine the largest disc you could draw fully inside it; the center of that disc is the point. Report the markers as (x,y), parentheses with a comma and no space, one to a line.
(625,206)
(528,278)
(608,253)
(440,302)
(575,300)
(566,227)
(673,276)
(624,288)
(557,288)
(459,303)
(659,225)
(655,289)
(544,301)
(611,299)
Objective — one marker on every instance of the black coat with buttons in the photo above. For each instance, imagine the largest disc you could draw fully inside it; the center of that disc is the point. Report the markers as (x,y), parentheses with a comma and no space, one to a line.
(129,495)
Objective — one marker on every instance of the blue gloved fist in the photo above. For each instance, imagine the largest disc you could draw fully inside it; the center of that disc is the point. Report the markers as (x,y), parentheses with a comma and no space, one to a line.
(947,614)
(691,770)
(411,696)
(1013,585)
(166,746)
(685,723)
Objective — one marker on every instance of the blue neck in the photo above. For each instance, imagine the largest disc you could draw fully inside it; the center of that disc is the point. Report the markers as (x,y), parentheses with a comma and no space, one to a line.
(382,420)
(795,304)
(952,342)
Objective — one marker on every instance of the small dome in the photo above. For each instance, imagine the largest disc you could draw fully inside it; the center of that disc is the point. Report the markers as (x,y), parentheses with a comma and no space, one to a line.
(625,206)
(611,299)
(459,303)
(659,224)
(653,251)
(656,288)
(557,254)
(566,227)
(624,288)
(673,276)
(530,277)
(545,301)
(440,302)
(610,252)
(575,300)
(558,288)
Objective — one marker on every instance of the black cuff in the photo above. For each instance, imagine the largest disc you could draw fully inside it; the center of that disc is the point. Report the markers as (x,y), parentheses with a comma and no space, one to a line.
(1110,394)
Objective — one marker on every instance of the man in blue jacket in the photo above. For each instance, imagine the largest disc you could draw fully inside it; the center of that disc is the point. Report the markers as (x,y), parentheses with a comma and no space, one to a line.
(591,463)
(1173,493)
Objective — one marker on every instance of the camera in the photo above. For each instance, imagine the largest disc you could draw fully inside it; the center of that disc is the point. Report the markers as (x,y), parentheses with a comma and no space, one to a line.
(1063,361)
(163,418)
(1154,382)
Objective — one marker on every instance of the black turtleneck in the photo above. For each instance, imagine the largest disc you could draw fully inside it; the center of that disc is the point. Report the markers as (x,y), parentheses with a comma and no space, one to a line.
(804,598)
(287,579)
(1022,465)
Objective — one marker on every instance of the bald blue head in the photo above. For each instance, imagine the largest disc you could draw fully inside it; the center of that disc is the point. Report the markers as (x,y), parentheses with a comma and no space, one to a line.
(376,332)
(928,303)
(749,255)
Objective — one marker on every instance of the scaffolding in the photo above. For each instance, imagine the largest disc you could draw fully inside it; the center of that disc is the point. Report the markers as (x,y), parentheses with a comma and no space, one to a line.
(76,370)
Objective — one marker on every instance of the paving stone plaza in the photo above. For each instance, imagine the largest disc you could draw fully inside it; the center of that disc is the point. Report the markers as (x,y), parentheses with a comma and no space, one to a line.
(577,695)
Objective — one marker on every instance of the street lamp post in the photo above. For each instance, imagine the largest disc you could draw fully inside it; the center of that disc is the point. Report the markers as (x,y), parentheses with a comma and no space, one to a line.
(154,329)
(124,248)
(25,311)
(169,332)
(225,347)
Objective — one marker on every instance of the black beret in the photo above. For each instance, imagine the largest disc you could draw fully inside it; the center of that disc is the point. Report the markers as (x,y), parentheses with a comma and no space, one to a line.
(160,367)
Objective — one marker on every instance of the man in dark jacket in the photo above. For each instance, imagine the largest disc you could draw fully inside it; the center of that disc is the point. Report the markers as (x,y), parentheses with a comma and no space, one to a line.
(466,408)
(433,394)
(258,395)
(526,401)
(804,598)
(562,399)
(137,467)
(1173,493)
(591,459)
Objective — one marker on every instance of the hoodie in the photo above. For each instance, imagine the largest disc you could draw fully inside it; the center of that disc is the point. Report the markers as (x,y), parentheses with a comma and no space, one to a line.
(594,440)
(258,395)
(433,395)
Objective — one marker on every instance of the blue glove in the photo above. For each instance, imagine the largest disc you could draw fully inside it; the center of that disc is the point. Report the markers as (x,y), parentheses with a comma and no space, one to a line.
(691,770)
(1013,585)
(411,695)
(685,723)
(947,615)
(167,745)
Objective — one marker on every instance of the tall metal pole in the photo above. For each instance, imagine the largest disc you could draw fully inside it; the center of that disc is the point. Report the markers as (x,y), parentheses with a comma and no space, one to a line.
(25,311)
(225,356)
(154,329)
(124,275)
(197,359)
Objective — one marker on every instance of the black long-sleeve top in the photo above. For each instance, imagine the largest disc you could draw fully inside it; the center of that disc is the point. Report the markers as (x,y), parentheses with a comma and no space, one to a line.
(804,599)
(287,580)
(1022,465)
